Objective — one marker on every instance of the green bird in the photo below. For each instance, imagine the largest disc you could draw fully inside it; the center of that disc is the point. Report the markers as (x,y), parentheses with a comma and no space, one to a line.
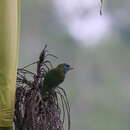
(54,77)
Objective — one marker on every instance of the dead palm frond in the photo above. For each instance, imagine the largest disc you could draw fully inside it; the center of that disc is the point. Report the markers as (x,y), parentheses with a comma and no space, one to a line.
(36,112)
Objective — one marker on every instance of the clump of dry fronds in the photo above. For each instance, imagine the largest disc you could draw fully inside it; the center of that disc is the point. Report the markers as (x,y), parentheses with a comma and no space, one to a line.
(36,112)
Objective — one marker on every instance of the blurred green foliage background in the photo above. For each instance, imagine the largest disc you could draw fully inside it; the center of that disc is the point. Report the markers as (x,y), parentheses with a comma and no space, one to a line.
(99,87)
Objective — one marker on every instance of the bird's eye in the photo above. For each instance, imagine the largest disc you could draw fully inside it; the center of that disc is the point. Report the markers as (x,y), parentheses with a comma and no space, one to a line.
(66,66)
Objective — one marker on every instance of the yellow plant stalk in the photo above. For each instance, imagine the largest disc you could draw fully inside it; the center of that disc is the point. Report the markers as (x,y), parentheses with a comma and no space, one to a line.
(9,38)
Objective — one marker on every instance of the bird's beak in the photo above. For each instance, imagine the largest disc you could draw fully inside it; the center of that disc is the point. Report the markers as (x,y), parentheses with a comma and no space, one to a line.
(71,68)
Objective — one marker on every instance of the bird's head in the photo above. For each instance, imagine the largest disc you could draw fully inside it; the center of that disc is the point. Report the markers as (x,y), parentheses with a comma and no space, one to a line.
(65,67)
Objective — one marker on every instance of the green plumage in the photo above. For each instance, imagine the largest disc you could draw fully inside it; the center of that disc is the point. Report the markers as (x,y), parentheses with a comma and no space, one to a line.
(55,77)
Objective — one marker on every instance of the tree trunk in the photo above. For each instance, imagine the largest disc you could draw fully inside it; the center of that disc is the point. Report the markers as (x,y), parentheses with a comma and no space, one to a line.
(9,38)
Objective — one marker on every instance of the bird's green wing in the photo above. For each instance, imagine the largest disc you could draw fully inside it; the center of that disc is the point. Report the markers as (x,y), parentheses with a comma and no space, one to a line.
(53,78)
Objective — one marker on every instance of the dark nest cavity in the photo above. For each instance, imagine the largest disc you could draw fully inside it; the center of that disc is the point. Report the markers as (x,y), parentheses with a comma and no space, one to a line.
(34,111)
